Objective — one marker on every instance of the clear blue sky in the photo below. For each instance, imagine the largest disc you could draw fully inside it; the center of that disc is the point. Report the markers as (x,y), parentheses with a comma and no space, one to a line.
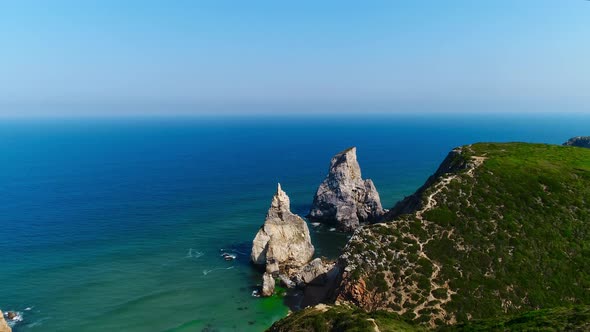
(294,51)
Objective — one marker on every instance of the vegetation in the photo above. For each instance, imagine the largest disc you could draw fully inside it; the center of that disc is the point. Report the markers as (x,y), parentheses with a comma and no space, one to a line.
(507,230)
(557,319)
(342,318)
(347,318)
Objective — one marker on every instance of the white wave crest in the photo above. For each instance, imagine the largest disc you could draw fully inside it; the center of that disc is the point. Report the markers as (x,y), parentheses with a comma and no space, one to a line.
(206,272)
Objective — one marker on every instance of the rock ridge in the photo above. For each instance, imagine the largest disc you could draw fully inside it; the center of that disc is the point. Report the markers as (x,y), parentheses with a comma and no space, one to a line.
(454,162)
(579,141)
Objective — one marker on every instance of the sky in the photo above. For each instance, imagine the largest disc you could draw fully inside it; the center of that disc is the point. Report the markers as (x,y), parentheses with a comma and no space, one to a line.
(219,52)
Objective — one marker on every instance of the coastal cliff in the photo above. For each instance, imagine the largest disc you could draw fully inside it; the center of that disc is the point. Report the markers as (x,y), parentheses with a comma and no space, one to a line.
(344,199)
(499,229)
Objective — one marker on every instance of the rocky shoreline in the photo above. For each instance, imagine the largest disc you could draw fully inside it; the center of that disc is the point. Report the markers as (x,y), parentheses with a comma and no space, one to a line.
(422,261)
(282,246)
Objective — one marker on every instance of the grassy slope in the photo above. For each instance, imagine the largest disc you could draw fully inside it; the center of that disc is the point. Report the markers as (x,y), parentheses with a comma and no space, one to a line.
(511,235)
(575,318)
(341,318)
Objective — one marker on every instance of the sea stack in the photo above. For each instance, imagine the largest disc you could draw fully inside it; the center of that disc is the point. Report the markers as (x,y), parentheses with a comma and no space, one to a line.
(344,199)
(3,325)
(283,243)
(579,141)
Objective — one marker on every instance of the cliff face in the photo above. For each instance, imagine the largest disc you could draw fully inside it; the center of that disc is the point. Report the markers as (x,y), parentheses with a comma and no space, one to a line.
(344,199)
(3,325)
(579,141)
(498,229)
(283,242)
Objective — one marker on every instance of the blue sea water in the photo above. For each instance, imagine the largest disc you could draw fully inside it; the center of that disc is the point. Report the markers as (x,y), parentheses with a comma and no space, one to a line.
(118,224)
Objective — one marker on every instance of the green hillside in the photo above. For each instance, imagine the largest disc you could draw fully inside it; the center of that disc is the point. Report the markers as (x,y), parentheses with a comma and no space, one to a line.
(345,318)
(342,318)
(500,229)
(575,318)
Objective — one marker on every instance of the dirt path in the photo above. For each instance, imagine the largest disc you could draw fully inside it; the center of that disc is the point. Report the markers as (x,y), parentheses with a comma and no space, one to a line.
(431,203)
(375,324)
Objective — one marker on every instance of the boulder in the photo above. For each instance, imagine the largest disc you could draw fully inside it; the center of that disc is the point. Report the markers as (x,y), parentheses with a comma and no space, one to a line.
(268,284)
(344,199)
(3,325)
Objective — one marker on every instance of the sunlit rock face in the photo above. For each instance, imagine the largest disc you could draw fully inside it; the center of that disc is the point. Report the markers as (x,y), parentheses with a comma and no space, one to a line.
(344,199)
(283,242)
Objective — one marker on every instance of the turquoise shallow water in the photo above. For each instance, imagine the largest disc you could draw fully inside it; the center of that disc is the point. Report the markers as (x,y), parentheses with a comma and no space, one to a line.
(118,224)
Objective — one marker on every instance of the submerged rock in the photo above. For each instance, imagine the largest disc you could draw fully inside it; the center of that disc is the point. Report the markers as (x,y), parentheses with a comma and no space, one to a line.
(3,325)
(228,257)
(579,141)
(283,243)
(344,198)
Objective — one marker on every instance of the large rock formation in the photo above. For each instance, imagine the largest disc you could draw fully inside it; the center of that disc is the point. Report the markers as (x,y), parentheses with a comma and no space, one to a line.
(579,141)
(3,325)
(283,243)
(344,198)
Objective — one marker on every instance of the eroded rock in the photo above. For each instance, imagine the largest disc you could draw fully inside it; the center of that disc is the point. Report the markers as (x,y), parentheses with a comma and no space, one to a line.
(315,272)
(283,243)
(268,284)
(3,325)
(344,199)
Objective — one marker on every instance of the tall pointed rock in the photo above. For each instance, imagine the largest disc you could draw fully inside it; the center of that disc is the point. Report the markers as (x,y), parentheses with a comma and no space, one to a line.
(344,199)
(283,242)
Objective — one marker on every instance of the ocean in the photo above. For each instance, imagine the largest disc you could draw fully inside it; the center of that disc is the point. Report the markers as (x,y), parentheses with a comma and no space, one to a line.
(118,224)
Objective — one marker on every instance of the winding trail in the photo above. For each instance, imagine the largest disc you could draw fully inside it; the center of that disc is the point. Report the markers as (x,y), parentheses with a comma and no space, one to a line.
(431,203)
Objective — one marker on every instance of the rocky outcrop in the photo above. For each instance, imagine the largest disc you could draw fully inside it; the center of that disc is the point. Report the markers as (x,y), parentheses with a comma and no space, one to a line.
(3,325)
(318,280)
(268,284)
(283,243)
(579,141)
(315,272)
(344,199)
